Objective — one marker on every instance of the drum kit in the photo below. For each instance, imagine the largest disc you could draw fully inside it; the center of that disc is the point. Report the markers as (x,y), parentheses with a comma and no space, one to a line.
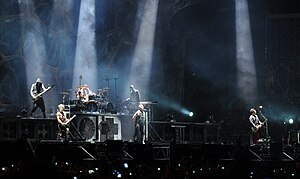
(89,103)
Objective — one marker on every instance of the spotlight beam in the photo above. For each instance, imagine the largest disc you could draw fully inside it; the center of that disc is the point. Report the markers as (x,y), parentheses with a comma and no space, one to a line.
(85,55)
(247,82)
(142,59)
(33,44)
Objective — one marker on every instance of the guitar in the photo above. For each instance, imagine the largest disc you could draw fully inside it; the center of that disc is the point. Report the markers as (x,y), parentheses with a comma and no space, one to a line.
(40,94)
(68,121)
(257,127)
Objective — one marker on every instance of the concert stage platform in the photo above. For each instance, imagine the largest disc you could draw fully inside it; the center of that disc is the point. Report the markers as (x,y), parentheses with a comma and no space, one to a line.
(174,150)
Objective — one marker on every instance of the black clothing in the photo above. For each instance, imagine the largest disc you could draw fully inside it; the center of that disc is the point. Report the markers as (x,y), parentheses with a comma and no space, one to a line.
(39,102)
(139,129)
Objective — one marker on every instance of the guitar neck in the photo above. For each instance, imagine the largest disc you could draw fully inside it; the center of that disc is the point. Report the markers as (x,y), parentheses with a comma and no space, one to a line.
(71,119)
(40,94)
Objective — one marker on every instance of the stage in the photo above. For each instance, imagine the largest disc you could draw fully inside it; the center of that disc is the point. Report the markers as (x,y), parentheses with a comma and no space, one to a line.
(102,144)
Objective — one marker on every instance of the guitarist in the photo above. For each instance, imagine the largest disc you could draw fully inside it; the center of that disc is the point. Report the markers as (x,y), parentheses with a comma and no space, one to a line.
(63,123)
(37,88)
(256,125)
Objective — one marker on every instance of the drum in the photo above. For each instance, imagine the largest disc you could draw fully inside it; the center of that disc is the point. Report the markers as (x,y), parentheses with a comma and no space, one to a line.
(106,106)
(76,102)
(92,97)
(91,106)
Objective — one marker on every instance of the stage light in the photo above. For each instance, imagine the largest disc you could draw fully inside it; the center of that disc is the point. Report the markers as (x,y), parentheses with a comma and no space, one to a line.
(158,169)
(187,112)
(291,121)
(125,165)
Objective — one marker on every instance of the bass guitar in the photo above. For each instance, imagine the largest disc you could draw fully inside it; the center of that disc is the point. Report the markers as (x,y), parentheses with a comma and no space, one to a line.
(34,98)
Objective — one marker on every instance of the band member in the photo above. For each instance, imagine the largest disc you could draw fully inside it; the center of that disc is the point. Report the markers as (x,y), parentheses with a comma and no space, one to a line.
(63,123)
(130,105)
(138,118)
(134,95)
(38,88)
(84,93)
(256,125)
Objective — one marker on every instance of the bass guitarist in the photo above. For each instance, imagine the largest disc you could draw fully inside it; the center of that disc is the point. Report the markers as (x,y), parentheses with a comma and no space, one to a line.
(63,123)
(256,125)
(36,91)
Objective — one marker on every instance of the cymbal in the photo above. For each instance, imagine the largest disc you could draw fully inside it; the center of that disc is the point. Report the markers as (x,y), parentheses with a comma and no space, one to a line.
(103,89)
(64,92)
(81,86)
(148,102)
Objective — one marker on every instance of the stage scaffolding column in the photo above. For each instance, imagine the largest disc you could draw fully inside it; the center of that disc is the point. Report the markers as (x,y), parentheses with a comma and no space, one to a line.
(146,125)
(148,115)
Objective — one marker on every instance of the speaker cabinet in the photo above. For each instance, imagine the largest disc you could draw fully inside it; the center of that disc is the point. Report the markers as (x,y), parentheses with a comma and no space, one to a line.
(110,128)
(40,129)
(127,128)
(45,130)
(9,129)
(86,127)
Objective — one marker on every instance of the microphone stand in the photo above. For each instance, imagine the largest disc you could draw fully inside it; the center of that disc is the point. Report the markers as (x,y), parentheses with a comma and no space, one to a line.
(266,124)
(268,138)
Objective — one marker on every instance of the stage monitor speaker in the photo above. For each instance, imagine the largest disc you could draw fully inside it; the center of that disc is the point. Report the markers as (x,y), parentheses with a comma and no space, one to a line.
(87,126)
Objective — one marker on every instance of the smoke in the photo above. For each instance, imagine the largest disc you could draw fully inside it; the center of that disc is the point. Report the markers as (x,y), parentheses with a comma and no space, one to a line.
(85,56)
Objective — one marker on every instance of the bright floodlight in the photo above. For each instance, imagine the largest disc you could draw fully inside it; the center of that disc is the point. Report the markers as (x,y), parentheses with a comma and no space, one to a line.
(291,121)
(126,165)
(186,112)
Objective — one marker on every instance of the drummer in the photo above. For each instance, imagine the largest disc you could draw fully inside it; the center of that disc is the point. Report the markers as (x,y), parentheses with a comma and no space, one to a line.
(84,93)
